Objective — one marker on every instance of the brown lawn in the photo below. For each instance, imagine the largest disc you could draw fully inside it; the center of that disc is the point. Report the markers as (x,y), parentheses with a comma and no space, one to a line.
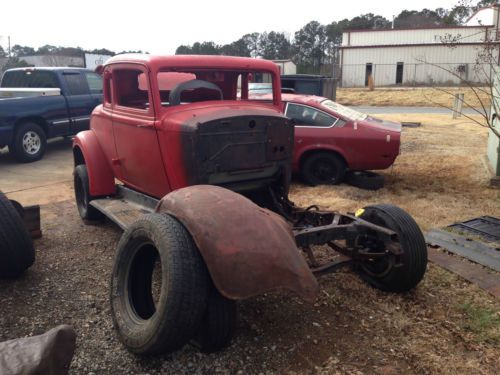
(415,97)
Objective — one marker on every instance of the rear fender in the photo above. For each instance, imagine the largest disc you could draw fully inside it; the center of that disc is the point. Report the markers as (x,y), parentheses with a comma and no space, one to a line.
(248,250)
(101,178)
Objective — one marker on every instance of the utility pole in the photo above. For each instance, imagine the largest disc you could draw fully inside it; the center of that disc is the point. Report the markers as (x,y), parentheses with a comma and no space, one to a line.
(8,38)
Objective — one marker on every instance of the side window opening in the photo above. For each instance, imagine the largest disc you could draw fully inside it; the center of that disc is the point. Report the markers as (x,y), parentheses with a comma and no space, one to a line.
(131,90)
(94,82)
(77,84)
(308,116)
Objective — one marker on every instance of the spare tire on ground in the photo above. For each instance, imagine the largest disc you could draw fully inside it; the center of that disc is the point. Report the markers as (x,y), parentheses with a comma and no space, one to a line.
(16,247)
(364,180)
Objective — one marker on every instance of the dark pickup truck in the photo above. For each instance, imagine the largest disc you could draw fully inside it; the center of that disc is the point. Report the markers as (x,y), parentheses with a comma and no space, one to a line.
(41,103)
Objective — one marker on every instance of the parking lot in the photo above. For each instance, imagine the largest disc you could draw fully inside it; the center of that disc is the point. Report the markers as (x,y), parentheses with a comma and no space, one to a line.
(46,181)
(446,325)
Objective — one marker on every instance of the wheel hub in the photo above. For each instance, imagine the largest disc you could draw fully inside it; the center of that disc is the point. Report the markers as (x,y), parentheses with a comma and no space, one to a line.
(324,171)
(31,143)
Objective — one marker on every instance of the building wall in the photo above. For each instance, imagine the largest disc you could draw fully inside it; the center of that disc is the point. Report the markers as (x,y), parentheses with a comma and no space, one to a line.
(493,150)
(50,60)
(485,16)
(413,36)
(461,60)
(286,67)
(93,61)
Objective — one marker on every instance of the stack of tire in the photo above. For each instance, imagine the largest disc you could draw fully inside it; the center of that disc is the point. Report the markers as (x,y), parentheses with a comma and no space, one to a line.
(17,252)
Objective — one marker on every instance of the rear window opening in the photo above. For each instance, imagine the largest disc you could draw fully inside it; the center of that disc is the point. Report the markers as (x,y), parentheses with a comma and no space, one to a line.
(29,79)
(212,85)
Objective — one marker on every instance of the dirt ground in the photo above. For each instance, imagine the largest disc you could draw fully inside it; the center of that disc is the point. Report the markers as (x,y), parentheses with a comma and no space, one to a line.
(409,96)
(440,177)
(445,326)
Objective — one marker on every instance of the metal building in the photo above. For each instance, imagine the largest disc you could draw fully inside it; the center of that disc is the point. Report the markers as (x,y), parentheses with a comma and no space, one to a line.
(420,56)
(286,66)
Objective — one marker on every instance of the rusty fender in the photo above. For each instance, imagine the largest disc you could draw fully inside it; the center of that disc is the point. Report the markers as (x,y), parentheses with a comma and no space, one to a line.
(248,250)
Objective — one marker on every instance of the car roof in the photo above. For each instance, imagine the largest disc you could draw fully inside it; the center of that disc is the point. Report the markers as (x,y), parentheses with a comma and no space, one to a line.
(51,68)
(296,98)
(196,61)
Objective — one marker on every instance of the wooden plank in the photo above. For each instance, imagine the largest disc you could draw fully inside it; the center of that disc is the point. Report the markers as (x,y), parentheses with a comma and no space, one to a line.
(31,218)
(472,250)
(474,273)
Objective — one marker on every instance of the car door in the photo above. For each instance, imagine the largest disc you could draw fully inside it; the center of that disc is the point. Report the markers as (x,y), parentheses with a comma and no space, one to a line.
(135,131)
(80,101)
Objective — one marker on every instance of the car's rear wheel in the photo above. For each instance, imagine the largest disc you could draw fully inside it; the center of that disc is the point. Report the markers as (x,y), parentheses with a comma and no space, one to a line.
(218,326)
(29,142)
(157,309)
(82,195)
(323,168)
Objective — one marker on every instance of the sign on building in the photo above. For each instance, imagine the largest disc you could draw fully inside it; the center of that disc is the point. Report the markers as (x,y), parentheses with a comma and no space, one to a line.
(92,61)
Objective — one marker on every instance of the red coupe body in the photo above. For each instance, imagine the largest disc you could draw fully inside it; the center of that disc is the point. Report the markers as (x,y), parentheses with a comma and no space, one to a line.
(167,122)
(363,142)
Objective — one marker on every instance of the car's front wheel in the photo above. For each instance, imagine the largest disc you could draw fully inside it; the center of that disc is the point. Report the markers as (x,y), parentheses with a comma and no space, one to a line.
(323,168)
(29,143)
(82,195)
(393,273)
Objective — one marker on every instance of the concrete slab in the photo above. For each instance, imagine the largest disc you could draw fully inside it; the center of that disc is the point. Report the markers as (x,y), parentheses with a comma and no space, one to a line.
(45,181)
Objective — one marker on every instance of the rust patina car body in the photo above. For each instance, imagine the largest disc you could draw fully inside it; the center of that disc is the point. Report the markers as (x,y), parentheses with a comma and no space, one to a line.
(260,241)
(204,174)
(175,121)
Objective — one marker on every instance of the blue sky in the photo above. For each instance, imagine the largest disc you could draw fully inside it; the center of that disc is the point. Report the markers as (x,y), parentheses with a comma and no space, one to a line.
(160,26)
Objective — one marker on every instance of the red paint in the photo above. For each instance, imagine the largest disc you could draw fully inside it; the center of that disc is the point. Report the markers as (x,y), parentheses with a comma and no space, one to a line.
(101,178)
(362,144)
(142,146)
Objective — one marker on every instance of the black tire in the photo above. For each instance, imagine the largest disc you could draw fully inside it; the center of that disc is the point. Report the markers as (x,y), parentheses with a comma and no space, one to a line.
(323,168)
(30,142)
(413,260)
(365,180)
(17,252)
(82,195)
(219,323)
(144,326)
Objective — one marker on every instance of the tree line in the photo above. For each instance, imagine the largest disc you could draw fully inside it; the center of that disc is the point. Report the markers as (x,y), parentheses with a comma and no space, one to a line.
(315,44)
(22,51)
(310,47)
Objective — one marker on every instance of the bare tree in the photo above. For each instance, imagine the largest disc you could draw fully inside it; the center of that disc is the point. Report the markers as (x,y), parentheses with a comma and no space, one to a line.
(483,83)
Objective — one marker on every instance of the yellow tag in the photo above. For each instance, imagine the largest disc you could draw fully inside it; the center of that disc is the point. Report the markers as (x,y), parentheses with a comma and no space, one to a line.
(359,212)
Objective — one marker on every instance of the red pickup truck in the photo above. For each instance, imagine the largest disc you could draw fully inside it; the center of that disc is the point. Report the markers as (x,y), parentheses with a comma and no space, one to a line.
(198,177)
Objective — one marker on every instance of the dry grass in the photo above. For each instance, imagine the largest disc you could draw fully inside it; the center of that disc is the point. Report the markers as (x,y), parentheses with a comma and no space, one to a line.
(415,97)
(447,325)
(440,176)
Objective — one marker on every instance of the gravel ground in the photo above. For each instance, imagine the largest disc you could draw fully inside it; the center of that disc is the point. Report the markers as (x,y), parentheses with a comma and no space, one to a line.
(350,329)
